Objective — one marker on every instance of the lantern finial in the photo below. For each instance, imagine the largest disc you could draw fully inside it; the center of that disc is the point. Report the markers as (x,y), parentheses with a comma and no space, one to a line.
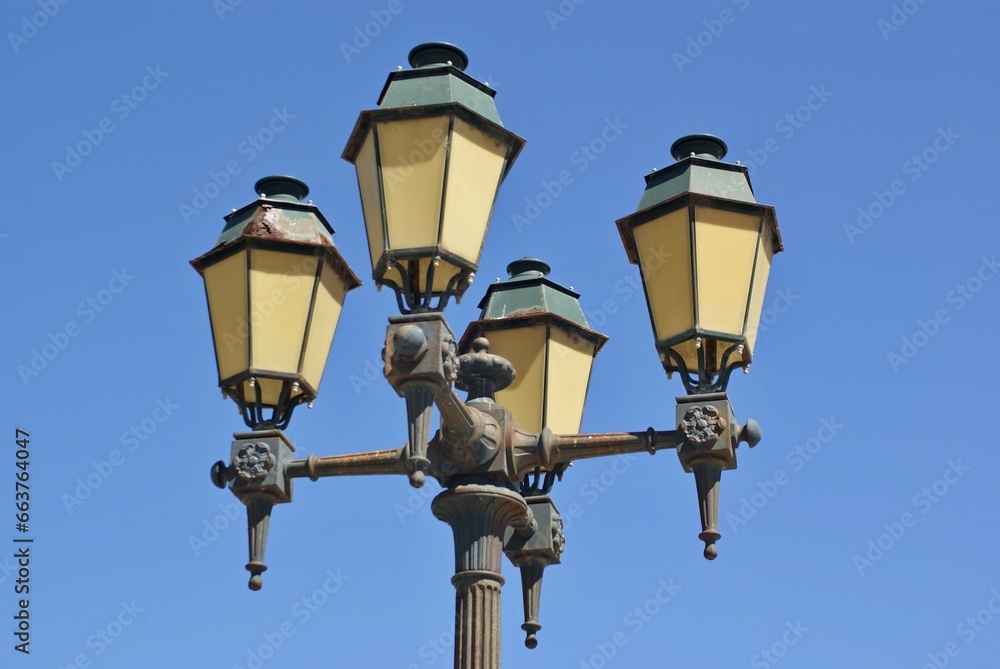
(702,146)
(528,268)
(281,187)
(438,53)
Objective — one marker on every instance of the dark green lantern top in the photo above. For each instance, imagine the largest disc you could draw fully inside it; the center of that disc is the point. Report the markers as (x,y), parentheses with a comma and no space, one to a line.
(699,169)
(529,291)
(280,211)
(438,76)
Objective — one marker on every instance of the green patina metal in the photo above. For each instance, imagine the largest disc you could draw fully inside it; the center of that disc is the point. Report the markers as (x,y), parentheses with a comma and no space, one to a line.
(529,291)
(293,219)
(699,169)
(434,81)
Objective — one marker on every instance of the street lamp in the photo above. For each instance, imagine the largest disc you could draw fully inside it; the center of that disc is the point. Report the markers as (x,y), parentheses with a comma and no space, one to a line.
(429,163)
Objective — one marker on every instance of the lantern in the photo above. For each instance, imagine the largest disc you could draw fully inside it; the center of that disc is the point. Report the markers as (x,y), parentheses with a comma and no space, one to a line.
(275,285)
(429,162)
(704,249)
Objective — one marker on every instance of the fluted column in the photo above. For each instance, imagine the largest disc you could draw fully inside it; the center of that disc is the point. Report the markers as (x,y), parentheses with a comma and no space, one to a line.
(479,516)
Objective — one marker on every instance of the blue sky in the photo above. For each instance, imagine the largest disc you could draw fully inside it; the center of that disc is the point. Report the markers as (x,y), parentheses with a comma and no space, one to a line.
(861,532)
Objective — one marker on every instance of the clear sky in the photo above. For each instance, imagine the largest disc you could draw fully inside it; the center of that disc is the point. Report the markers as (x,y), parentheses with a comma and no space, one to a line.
(862,532)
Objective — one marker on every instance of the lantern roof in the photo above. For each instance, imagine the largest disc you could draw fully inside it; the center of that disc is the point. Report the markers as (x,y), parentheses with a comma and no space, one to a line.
(279,212)
(698,178)
(438,77)
(528,291)
(279,215)
(699,169)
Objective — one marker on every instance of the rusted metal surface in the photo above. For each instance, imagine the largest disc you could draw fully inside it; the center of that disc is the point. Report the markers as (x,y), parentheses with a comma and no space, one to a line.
(389,461)
(580,446)
(480,516)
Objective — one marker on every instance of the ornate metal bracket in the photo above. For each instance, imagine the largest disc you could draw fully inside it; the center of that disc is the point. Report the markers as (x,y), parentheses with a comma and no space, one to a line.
(532,554)
(257,476)
(708,436)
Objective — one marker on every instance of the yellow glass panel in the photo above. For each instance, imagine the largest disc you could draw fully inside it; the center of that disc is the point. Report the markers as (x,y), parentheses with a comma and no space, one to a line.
(326,315)
(765,250)
(226,287)
(281,286)
(442,274)
(525,349)
(371,198)
(687,350)
(569,361)
(412,154)
(725,242)
(474,169)
(270,392)
(664,248)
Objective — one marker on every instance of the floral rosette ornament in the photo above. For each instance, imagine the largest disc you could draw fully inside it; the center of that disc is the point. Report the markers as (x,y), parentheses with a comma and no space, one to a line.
(702,425)
(253,461)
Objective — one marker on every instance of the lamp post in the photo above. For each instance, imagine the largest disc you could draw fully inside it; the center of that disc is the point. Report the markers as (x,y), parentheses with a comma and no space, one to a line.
(429,161)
